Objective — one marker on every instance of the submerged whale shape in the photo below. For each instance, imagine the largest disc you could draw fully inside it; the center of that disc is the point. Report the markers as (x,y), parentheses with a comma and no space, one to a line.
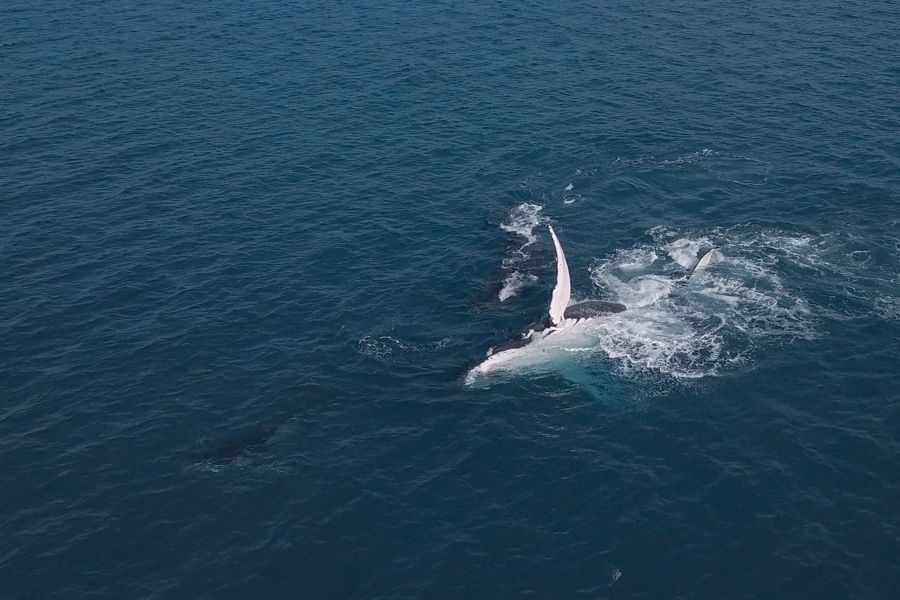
(246,445)
(252,439)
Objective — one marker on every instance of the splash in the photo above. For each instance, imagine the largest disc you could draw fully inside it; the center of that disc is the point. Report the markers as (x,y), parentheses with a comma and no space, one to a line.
(701,326)
(685,251)
(522,221)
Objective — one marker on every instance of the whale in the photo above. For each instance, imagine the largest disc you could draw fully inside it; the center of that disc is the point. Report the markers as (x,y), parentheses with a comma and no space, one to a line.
(563,317)
(566,327)
(248,443)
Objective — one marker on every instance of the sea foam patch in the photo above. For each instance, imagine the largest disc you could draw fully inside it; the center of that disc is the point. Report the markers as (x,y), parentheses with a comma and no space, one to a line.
(521,222)
(690,327)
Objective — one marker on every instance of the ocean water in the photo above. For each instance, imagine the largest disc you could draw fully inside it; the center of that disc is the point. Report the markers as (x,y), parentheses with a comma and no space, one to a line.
(250,249)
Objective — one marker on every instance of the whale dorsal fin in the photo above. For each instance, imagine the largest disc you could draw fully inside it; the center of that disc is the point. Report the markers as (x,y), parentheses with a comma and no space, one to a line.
(563,290)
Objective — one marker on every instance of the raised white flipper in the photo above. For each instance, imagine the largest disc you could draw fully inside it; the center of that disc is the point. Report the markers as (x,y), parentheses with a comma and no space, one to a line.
(562,293)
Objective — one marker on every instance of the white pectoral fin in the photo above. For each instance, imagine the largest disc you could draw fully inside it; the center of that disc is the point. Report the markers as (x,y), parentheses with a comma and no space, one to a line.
(563,290)
(707,259)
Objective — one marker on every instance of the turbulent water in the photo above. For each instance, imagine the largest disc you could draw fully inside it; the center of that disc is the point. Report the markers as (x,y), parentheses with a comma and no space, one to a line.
(250,251)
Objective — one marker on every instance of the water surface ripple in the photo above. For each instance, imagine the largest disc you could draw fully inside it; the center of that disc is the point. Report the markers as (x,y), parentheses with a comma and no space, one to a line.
(248,248)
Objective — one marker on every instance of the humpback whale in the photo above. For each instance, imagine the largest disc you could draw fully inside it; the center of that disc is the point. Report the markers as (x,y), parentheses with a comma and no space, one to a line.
(247,442)
(564,326)
(244,446)
(561,317)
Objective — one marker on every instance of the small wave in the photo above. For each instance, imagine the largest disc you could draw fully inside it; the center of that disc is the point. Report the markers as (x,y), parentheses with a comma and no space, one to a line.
(888,308)
(386,348)
(742,170)
(724,166)
(651,161)
(689,158)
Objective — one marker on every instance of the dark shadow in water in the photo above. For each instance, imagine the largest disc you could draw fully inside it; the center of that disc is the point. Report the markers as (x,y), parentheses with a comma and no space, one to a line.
(249,443)
(536,263)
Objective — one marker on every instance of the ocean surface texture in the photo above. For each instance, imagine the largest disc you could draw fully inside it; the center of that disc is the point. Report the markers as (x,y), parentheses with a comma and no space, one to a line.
(250,250)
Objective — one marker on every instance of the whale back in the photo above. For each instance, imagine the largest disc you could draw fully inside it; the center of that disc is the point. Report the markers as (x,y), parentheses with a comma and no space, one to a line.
(593,308)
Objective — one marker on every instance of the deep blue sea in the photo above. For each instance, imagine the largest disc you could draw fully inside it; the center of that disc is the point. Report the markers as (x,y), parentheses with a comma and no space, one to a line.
(249,251)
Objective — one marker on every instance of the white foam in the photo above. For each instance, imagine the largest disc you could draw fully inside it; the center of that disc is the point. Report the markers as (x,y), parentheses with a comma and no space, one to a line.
(702,326)
(513,283)
(569,188)
(660,339)
(684,251)
(888,308)
(521,222)
(637,259)
(626,279)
